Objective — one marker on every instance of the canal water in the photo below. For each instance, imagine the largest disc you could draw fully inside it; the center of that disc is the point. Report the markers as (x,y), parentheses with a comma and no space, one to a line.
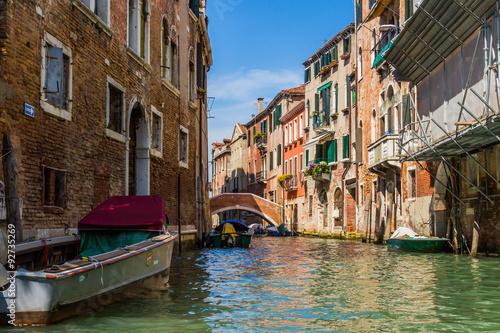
(307,284)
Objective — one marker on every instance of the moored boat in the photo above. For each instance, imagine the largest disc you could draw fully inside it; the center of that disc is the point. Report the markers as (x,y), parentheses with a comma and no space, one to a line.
(122,249)
(406,240)
(231,233)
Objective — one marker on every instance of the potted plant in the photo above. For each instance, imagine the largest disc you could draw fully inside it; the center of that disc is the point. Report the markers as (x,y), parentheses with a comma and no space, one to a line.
(319,171)
(201,92)
(284,178)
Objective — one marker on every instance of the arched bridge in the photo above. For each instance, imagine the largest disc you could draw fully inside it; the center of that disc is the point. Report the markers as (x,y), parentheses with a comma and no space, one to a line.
(266,209)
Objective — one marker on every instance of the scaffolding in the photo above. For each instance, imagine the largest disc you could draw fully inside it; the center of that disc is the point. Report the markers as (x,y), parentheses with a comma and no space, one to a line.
(472,133)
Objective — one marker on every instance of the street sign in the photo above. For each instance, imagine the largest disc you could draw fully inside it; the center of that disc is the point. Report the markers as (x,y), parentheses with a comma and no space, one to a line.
(29,110)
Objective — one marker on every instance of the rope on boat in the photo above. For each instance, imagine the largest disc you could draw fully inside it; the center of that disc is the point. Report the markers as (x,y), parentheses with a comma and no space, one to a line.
(95,262)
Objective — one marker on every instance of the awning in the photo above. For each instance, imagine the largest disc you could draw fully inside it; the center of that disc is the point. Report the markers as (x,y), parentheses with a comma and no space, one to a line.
(436,29)
(324,86)
(315,141)
(377,9)
(126,213)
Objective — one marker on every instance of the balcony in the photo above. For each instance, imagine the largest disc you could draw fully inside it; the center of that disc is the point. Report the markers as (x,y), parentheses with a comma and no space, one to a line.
(261,177)
(261,144)
(383,152)
(321,124)
(291,184)
(384,44)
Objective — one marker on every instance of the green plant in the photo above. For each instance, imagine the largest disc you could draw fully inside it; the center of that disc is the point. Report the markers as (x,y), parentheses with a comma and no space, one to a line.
(259,135)
(284,178)
(201,90)
(316,169)
(315,113)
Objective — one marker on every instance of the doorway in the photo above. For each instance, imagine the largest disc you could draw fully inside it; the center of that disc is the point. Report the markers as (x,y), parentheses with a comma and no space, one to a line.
(138,160)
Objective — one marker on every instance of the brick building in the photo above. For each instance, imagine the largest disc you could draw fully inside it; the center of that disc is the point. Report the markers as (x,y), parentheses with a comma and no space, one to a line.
(292,180)
(105,98)
(457,102)
(383,98)
(329,102)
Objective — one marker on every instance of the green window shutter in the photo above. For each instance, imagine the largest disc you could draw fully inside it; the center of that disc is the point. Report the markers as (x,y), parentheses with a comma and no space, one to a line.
(346,146)
(331,151)
(409,9)
(316,102)
(406,110)
(348,80)
(278,155)
(271,122)
(254,132)
(319,153)
(248,138)
(271,161)
(307,157)
(334,153)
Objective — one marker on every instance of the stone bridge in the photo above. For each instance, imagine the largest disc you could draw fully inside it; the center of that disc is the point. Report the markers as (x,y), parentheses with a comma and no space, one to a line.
(266,209)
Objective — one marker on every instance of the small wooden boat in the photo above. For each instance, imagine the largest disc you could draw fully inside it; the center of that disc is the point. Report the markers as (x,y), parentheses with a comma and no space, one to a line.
(406,240)
(122,249)
(231,233)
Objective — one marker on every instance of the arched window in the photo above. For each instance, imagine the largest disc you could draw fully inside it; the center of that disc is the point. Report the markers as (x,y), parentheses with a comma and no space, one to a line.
(165,52)
(374,126)
(174,63)
(138,27)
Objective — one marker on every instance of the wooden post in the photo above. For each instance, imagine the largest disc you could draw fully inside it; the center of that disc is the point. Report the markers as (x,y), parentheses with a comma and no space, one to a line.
(475,227)
(368,202)
(455,235)
(376,236)
(390,215)
(10,172)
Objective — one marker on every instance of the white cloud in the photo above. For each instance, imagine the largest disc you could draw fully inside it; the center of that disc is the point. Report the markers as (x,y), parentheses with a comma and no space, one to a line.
(236,96)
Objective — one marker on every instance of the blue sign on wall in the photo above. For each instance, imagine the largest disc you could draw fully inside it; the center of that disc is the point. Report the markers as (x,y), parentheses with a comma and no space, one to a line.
(29,110)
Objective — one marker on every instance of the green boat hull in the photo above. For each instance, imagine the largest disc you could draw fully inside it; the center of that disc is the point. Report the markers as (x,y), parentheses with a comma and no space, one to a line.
(425,245)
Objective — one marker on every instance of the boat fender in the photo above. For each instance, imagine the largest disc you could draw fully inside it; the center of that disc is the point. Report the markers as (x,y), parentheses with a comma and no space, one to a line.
(3,247)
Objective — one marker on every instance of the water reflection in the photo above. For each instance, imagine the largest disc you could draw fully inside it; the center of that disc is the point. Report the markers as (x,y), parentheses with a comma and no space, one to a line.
(298,284)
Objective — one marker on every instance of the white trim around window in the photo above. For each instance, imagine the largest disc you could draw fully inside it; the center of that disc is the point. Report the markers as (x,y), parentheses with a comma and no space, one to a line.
(156,132)
(110,133)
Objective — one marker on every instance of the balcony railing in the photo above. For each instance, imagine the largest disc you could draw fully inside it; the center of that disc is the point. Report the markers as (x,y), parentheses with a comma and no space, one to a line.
(383,45)
(291,184)
(261,177)
(384,151)
(321,123)
(261,144)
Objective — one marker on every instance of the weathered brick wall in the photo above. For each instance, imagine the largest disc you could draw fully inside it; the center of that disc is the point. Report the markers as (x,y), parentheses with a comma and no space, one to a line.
(80,146)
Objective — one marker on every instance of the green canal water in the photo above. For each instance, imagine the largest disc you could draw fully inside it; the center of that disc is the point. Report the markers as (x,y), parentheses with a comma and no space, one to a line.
(304,284)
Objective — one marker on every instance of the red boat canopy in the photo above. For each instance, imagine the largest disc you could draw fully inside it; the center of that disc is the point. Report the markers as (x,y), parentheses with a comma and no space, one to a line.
(126,213)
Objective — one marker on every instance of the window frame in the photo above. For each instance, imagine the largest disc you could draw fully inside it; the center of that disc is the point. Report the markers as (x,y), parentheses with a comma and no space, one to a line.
(65,114)
(109,132)
(157,152)
(184,163)
(44,180)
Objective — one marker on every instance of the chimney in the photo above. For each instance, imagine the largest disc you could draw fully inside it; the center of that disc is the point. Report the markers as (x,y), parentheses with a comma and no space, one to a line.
(261,104)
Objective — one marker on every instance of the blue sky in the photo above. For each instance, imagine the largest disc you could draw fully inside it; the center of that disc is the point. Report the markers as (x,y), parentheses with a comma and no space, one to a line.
(258,48)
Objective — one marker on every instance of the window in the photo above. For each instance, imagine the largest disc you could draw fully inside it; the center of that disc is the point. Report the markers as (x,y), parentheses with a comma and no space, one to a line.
(165,50)
(409,9)
(301,127)
(336,92)
(286,167)
(373,44)
(54,187)
(56,75)
(307,75)
(191,76)
(183,147)
(345,141)
(100,8)
(194,5)
(271,162)
(174,65)
(115,107)
(308,110)
(138,27)
(317,68)
(360,63)
(301,161)
(156,131)
(290,133)
(286,135)
(347,45)
(295,164)
(278,156)
(335,53)
(295,129)
(412,184)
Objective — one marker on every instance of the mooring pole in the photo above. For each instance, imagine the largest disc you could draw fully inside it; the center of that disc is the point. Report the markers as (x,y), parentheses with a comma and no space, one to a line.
(179,210)
(10,172)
